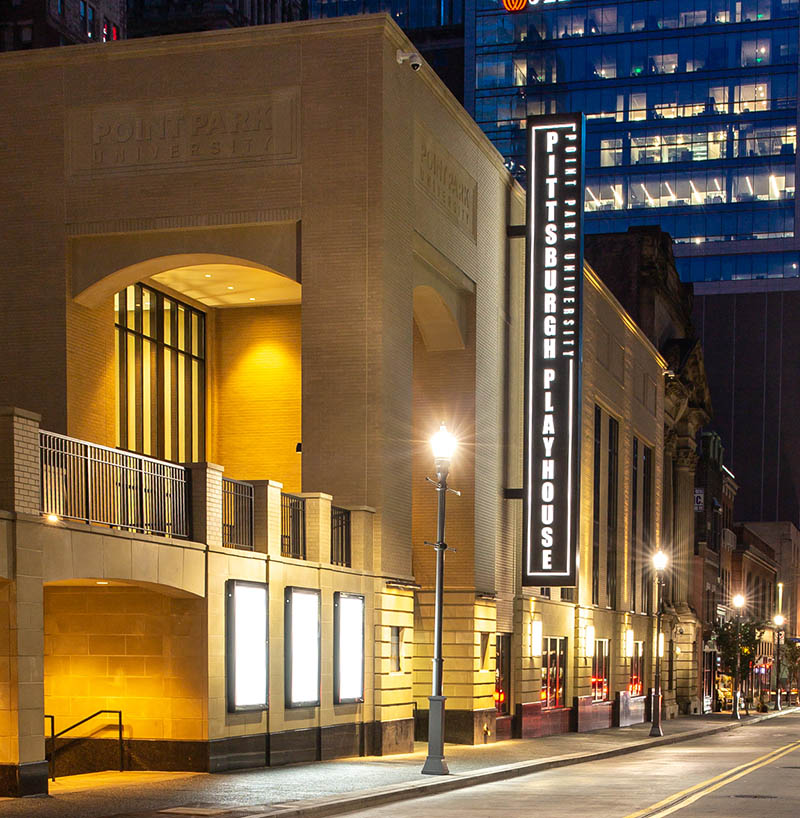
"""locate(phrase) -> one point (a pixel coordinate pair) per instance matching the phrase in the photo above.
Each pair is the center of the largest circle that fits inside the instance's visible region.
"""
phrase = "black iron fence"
(237, 514)
(293, 526)
(103, 486)
(340, 537)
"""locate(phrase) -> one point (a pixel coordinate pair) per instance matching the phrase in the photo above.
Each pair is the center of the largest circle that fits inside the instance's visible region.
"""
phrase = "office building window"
(600, 670)
(554, 673)
(612, 512)
(90, 21)
(636, 677)
(598, 433)
(160, 365)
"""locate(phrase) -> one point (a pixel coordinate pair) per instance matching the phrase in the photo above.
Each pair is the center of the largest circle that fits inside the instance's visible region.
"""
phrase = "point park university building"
(247, 274)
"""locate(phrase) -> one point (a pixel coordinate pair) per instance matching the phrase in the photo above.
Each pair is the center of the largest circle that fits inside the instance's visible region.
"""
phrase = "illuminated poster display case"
(348, 648)
(302, 647)
(246, 645)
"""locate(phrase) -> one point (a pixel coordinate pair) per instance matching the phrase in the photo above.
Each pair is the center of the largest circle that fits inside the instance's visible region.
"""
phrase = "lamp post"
(738, 604)
(659, 563)
(778, 619)
(443, 445)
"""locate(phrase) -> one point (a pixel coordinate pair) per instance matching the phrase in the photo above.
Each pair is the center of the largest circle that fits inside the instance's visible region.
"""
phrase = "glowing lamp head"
(778, 619)
(52, 518)
(659, 560)
(443, 444)
(738, 601)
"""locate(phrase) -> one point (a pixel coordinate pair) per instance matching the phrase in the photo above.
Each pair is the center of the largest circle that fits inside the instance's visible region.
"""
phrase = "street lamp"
(443, 445)
(778, 619)
(659, 563)
(738, 603)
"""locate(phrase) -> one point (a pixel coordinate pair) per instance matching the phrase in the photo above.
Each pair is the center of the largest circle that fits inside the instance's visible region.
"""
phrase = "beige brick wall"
(257, 389)
(126, 649)
(91, 375)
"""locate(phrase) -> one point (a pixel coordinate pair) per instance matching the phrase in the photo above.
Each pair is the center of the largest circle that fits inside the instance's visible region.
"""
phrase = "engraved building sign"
(174, 135)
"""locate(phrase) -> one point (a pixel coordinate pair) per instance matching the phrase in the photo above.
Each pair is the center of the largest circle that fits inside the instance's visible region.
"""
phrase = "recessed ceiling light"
(252, 298)
(208, 275)
(230, 286)
(102, 582)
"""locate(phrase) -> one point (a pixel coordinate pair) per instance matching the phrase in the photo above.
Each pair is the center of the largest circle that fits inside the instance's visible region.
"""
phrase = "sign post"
(553, 312)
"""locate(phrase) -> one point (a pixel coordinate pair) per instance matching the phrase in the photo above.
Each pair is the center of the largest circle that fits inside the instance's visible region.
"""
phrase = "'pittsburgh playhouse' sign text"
(553, 350)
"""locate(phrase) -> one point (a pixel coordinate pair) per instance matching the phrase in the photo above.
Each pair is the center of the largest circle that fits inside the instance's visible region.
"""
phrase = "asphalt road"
(739, 774)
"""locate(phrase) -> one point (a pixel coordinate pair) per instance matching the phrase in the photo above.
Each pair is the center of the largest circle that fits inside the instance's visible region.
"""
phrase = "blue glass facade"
(691, 116)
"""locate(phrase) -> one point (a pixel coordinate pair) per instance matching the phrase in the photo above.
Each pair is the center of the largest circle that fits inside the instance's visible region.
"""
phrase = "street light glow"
(778, 619)
(738, 601)
(443, 444)
(659, 560)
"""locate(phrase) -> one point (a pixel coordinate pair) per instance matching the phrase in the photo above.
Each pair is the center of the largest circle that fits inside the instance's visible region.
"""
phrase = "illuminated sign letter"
(553, 297)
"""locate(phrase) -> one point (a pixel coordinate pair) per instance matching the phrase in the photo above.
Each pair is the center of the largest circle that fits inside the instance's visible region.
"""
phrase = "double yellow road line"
(684, 798)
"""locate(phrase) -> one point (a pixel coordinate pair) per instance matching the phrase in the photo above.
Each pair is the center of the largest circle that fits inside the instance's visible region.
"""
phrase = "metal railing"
(53, 736)
(103, 486)
(340, 537)
(293, 526)
(237, 514)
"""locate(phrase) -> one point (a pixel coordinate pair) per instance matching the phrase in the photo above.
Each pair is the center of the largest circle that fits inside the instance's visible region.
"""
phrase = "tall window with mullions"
(160, 369)
(554, 664)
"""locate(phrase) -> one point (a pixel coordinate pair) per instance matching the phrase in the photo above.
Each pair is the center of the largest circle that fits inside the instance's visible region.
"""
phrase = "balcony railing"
(103, 486)
(293, 526)
(340, 537)
(237, 514)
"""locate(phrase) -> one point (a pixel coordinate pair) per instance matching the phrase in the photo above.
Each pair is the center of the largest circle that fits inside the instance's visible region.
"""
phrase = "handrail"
(54, 736)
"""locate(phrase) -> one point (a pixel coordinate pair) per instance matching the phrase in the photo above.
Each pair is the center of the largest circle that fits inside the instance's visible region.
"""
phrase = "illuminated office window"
(160, 366)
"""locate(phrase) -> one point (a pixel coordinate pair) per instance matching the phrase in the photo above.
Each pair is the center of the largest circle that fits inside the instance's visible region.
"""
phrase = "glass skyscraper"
(691, 116)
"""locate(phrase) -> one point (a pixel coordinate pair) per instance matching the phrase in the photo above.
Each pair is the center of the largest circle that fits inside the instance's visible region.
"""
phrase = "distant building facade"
(28, 24)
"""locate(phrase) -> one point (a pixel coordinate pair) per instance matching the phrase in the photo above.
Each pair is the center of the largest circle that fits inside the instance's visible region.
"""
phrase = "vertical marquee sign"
(553, 292)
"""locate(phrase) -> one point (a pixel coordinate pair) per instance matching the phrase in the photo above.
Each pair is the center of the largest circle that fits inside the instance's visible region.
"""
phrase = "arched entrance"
(189, 356)
(136, 648)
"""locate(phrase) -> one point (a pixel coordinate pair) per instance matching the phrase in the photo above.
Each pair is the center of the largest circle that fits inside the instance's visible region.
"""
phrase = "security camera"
(413, 59)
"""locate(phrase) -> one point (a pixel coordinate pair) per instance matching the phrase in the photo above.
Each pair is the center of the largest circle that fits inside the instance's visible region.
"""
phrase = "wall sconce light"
(629, 643)
(536, 637)
(661, 645)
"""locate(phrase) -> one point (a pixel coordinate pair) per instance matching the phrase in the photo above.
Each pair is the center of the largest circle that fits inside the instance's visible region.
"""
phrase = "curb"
(338, 805)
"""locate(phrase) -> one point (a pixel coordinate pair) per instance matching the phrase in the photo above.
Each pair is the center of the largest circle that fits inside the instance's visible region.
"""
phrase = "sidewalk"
(337, 787)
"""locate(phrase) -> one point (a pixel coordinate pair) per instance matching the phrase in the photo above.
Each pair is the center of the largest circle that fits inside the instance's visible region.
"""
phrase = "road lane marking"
(684, 798)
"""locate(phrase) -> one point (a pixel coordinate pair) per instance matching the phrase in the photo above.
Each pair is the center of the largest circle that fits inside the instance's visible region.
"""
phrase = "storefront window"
(600, 670)
(554, 662)
(636, 678)
(502, 700)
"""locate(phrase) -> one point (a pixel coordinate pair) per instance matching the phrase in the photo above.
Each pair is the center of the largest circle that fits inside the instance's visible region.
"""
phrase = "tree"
(750, 632)
(790, 660)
